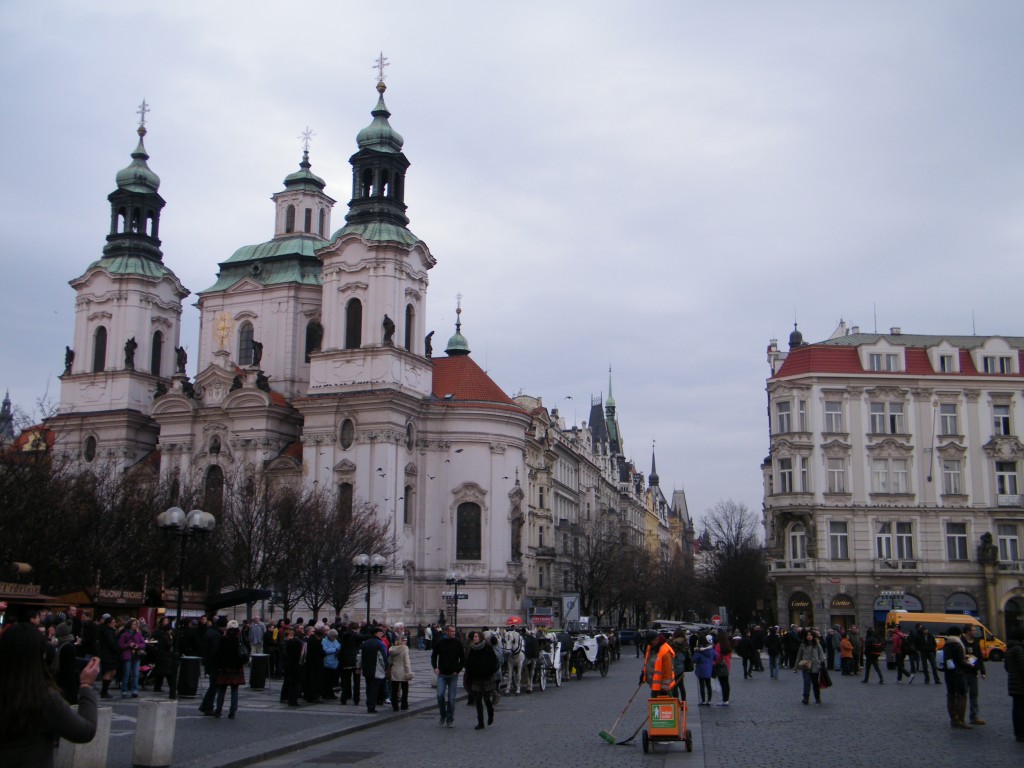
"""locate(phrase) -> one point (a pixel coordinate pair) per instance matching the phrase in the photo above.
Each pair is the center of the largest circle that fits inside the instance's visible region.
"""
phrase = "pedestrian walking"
(210, 642)
(481, 669)
(230, 658)
(773, 645)
(374, 656)
(901, 645)
(351, 641)
(703, 668)
(109, 653)
(332, 650)
(975, 658)
(809, 661)
(956, 667)
(873, 648)
(447, 658)
(401, 673)
(927, 647)
(131, 644)
(723, 664)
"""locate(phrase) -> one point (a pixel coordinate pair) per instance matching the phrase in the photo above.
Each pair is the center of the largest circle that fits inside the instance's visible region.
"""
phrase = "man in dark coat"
(313, 675)
(109, 653)
(351, 641)
(210, 643)
(374, 657)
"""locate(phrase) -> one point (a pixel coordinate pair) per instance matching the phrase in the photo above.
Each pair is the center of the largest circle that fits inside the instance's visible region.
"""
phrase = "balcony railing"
(1011, 566)
(895, 565)
(799, 566)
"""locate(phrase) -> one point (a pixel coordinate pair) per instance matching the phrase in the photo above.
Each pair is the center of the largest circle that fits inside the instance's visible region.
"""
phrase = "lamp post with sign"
(455, 580)
(186, 527)
(368, 564)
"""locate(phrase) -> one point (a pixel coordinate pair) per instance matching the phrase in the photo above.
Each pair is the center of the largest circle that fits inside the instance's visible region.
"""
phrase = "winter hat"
(63, 629)
(232, 624)
(222, 621)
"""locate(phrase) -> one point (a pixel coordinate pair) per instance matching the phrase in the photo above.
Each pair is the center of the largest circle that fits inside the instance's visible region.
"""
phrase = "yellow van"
(992, 648)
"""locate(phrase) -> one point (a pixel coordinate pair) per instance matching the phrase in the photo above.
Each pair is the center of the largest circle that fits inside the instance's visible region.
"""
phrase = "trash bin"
(259, 670)
(188, 675)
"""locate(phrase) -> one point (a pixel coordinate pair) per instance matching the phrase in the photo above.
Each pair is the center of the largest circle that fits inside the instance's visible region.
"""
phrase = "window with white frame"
(887, 418)
(1006, 478)
(951, 484)
(1009, 542)
(889, 476)
(875, 362)
(798, 542)
(905, 541)
(836, 475)
(956, 541)
(839, 540)
(948, 419)
(833, 416)
(889, 361)
(785, 475)
(879, 475)
(801, 415)
(946, 364)
(805, 482)
(883, 541)
(1001, 420)
(997, 364)
(784, 418)
(899, 476)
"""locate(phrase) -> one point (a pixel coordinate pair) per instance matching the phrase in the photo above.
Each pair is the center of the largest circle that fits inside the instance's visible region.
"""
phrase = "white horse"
(512, 644)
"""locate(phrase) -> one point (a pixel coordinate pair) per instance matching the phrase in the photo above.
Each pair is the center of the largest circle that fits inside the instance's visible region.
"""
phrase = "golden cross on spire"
(379, 65)
(306, 136)
(141, 112)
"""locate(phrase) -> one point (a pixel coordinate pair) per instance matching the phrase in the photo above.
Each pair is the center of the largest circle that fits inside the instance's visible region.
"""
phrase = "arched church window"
(407, 506)
(122, 220)
(467, 531)
(308, 220)
(314, 337)
(99, 350)
(157, 353)
(347, 435)
(213, 497)
(354, 324)
(323, 219)
(396, 191)
(410, 321)
(289, 219)
(345, 502)
(367, 183)
(245, 349)
(136, 219)
(385, 183)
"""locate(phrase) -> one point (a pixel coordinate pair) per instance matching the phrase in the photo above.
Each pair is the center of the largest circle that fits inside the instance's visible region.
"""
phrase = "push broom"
(607, 735)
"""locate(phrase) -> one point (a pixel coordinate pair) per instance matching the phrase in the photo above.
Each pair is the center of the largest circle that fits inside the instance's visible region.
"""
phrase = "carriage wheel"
(647, 742)
(543, 675)
(602, 664)
(558, 677)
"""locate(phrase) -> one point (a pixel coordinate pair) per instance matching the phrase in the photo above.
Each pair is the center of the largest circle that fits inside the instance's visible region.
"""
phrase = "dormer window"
(997, 364)
(946, 364)
(887, 361)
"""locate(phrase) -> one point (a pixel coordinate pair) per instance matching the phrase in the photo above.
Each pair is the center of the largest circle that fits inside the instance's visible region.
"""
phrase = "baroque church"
(315, 364)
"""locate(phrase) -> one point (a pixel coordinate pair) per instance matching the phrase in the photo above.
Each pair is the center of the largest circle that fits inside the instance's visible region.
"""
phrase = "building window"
(1006, 478)
(839, 540)
(314, 338)
(213, 496)
(805, 483)
(353, 324)
(785, 475)
(407, 506)
(956, 541)
(951, 477)
(899, 476)
(320, 225)
(245, 348)
(833, 416)
(836, 472)
(946, 364)
(347, 435)
(783, 417)
(798, 542)
(1001, 419)
(997, 364)
(467, 532)
(156, 353)
(884, 362)
(879, 476)
(947, 419)
(410, 325)
(801, 415)
(345, 500)
(889, 476)
(887, 418)
(905, 541)
(89, 452)
(540, 498)
(289, 219)
(308, 223)
(883, 542)
(99, 350)
(1009, 543)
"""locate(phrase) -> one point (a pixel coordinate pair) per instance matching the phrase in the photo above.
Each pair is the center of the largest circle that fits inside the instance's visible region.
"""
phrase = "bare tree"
(737, 576)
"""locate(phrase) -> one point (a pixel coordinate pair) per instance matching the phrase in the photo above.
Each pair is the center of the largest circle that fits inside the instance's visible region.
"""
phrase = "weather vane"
(306, 136)
(379, 66)
(141, 112)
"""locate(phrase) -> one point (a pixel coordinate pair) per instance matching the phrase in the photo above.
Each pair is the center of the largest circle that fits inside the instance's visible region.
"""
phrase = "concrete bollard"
(154, 734)
(92, 754)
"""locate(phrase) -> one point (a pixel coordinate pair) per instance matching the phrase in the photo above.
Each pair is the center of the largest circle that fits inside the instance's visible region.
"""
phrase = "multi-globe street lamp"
(455, 580)
(186, 527)
(369, 564)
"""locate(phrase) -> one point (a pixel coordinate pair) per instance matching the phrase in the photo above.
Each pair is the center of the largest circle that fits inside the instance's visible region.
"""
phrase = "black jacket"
(448, 657)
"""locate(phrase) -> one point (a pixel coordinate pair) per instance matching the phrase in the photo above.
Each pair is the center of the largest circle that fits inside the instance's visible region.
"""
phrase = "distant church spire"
(6, 419)
(654, 479)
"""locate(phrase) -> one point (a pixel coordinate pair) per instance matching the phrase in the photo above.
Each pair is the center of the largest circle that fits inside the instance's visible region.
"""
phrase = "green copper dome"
(137, 177)
(457, 344)
(379, 134)
(304, 178)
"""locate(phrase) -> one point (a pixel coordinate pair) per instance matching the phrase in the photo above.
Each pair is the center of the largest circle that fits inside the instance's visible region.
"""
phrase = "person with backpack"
(873, 648)
(901, 646)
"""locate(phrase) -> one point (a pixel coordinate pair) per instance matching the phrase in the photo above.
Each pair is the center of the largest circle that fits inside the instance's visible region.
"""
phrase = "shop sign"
(118, 596)
(25, 590)
(842, 602)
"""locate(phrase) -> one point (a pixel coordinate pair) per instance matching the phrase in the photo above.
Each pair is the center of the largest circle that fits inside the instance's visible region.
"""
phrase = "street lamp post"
(455, 580)
(195, 523)
(369, 564)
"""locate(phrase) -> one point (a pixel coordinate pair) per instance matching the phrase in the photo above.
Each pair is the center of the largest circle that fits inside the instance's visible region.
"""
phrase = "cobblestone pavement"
(765, 725)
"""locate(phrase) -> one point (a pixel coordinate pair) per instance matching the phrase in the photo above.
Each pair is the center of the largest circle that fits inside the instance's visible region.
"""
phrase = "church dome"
(379, 134)
(138, 177)
(796, 339)
(457, 345)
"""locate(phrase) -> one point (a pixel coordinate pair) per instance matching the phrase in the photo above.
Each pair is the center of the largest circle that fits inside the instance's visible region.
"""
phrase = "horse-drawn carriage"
(590, 652)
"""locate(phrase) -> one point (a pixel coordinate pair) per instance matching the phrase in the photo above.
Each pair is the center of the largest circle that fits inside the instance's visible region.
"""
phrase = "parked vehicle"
(992, 648)
(627, 636)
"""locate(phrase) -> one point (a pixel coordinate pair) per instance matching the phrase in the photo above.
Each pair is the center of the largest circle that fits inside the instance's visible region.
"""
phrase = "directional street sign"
(455, 596)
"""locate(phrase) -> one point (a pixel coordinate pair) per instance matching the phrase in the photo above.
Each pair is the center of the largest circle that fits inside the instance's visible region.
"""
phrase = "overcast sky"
(661, 187)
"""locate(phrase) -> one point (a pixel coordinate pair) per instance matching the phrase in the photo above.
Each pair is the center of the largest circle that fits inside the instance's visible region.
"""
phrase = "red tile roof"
(820, 359)
(459, 381)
